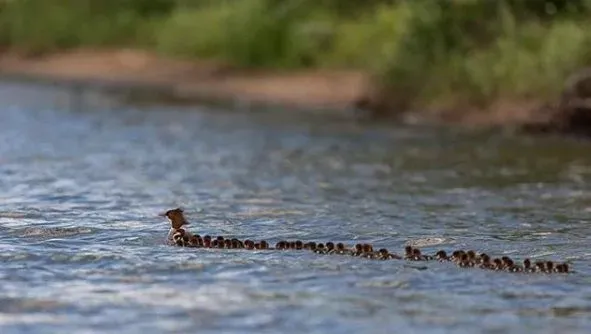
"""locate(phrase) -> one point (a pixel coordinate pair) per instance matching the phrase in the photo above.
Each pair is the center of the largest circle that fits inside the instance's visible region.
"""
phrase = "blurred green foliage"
(421, 51)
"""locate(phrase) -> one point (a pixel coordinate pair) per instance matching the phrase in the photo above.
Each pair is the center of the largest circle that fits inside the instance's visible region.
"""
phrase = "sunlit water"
(82, 246)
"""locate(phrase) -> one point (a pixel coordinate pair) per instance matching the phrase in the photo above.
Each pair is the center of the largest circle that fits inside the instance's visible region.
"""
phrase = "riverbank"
(161, 79)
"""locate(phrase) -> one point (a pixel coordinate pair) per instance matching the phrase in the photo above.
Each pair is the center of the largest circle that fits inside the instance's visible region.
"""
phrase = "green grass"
(421, 52)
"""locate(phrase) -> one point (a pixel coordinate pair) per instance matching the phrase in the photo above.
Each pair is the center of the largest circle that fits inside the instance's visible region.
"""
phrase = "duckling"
(249, 244)
(384, 254)
(441, 256)
(320, 249)
(340, 248)
(408, 253)
(485, 262)
(367, 251)
(358, 250)
(299, 244)
(457, 255)
(330, 247)
(418, 256)
(207, 241)
(228, 244)
(178, 237)
(540, 267)
(193, 241)
(527, 266)
(480, 258)
(214, 243)
(510, 266)
(562, 268)
(264, 244)
(465, 261)
(280, 245)
(310, 245)
(505, 260)
(184, 235)
(497, 264)
(200, 242)
(549, 266)
(292, 245)
(236, 243)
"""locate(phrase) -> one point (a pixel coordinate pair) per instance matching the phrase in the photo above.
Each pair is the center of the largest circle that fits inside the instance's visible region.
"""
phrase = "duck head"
(176, 217)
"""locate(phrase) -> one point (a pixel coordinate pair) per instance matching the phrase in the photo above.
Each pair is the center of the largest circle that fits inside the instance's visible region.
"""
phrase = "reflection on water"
(82, 248)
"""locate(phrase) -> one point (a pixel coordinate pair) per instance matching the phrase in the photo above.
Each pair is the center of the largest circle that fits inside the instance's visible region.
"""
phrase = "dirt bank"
(203, 81)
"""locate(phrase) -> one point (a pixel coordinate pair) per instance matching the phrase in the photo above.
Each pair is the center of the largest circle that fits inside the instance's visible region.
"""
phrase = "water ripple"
(82, 247)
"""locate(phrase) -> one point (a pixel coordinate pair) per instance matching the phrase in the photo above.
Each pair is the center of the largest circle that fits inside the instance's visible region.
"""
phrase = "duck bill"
(162, 214)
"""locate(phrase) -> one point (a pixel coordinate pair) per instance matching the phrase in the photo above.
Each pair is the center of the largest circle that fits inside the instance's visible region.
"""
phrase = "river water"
(82, 246)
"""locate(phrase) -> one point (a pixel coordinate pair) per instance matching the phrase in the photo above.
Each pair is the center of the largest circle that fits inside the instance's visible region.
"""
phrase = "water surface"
(82, 247)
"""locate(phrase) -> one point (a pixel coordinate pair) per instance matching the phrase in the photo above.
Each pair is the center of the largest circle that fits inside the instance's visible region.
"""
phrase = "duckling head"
(194, 241)
(509, 263)
(465, 258)
(498, 263)
(527, 264)
(549, 266)
(408, 250)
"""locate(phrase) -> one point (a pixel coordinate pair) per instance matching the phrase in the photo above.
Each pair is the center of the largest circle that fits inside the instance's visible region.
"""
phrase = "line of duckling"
(465, 259)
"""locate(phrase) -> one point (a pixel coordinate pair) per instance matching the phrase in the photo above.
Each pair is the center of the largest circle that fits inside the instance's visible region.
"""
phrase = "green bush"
(421, 51)
(477, 52)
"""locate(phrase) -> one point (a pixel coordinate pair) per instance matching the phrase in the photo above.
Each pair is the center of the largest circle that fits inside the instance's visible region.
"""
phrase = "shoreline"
(165, 79)
(153, 78)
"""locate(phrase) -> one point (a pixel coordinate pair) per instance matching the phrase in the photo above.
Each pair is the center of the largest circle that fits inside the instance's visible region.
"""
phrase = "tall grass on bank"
(421, 52)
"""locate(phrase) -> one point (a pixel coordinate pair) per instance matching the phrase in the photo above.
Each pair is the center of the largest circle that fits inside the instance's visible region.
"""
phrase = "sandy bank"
(132, 70)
